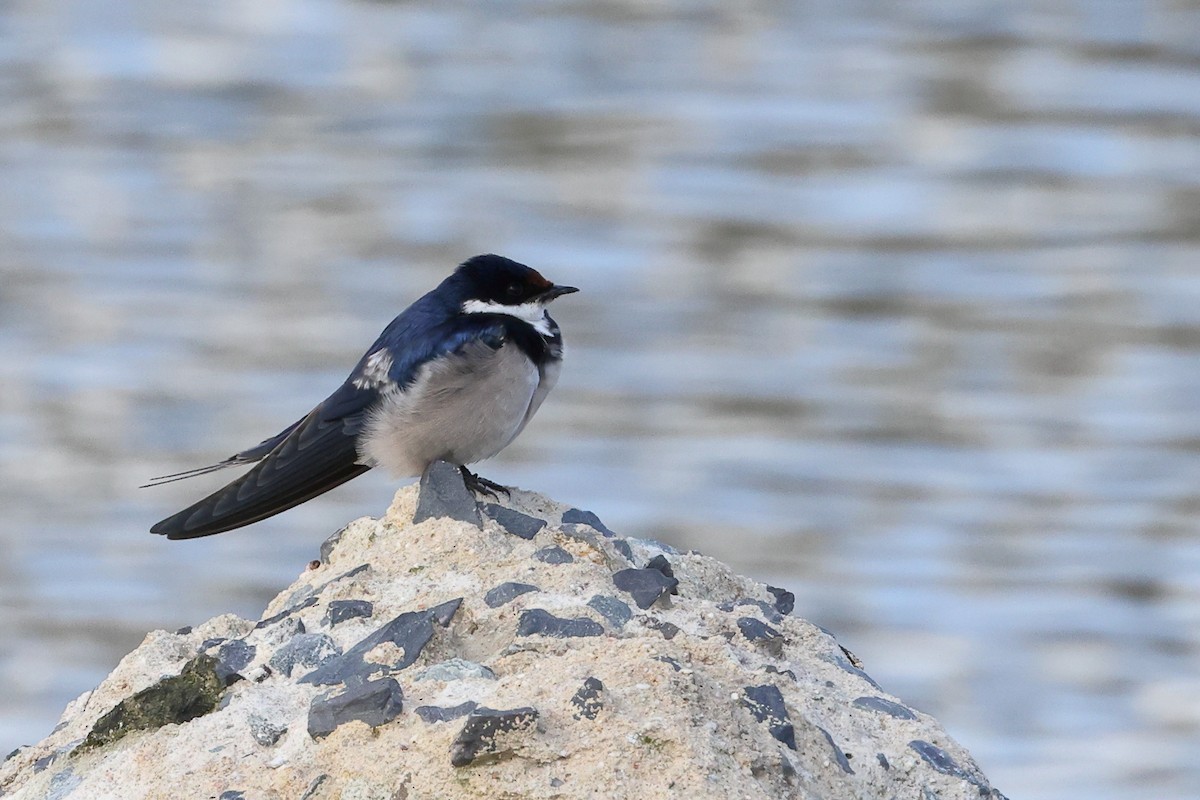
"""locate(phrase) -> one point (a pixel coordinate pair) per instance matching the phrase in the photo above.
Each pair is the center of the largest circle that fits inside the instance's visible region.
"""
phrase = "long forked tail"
(247, 456)
(232, 461)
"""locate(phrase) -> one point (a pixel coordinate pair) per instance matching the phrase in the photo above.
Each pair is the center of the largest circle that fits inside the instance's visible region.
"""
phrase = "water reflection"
(897, 308)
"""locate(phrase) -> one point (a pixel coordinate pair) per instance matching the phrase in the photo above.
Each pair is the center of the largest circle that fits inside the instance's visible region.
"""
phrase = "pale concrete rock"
(681, 700)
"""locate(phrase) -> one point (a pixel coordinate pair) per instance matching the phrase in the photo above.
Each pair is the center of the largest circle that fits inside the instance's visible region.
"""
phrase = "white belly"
(461, 409)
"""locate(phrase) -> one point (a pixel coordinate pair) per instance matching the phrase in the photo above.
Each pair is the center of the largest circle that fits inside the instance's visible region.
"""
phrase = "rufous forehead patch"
(536, 279)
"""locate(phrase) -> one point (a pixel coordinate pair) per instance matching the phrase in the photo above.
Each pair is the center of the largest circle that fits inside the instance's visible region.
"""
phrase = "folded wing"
(315, 455)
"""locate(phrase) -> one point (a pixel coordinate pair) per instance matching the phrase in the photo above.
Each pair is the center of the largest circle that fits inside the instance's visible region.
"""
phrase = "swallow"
(455, 377)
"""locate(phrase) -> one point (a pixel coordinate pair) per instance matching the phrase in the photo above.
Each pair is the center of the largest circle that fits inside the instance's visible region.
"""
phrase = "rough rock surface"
(444, 660)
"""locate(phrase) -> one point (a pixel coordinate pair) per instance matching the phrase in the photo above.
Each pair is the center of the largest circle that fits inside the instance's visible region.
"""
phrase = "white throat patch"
(533, 313)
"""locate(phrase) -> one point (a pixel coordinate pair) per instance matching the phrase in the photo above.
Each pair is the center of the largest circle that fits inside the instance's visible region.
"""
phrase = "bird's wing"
(311, 457)
(320, 451)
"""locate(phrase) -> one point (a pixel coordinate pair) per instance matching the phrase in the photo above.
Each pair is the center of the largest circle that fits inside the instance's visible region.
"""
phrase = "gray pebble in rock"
(657, 545)
(766, 704)
(768, 611)
(667, 629)
(940, 760)
(314, 788)
(455, 669)
(540, 621)
(232, 794)
(232, 657)
(838, 755)
(411, 631)
(444, 494)
(579, 516)
(612, 609)
(506, 592)
(885, 706)
(844, 663)
(883, 762)
(286, 614)
(341, 610)
(587, 699)
(763, 634)
(514, 522)
(63, 784)
(622, 547)
(264, 731)
(553, 555)
(305, 650)
(777, 671)
(373, 702)
(432, 714)
(645, 585)
(483, 725)
(668, 660)
(660, 563)
(329, 544)
(785, 601)
(184, 631)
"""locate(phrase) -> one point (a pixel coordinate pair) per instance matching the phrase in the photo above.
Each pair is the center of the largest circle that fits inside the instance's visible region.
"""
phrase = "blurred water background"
(894, 305)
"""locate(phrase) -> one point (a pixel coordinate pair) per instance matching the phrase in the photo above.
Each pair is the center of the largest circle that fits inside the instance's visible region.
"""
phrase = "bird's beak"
(555, 291)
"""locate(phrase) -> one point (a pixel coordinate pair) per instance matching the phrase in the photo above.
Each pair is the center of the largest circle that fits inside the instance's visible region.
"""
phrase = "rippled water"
(896, 306)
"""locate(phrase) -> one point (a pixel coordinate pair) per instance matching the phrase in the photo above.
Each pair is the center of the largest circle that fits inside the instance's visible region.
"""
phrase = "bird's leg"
(481, 485)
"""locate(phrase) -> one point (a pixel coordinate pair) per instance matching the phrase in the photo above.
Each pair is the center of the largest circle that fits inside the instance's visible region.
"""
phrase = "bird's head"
(492, 284)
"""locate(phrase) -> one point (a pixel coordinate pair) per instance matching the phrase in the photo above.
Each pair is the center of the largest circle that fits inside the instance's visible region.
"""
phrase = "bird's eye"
(513, 291)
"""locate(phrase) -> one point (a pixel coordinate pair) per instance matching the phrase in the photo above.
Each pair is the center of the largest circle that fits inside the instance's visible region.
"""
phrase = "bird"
(455, 377)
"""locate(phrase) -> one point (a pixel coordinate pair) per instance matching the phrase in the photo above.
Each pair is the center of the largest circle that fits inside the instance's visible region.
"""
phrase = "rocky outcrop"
(499, 650)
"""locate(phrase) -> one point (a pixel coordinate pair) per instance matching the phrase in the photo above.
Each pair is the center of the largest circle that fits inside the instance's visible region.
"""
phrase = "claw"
(480, 485)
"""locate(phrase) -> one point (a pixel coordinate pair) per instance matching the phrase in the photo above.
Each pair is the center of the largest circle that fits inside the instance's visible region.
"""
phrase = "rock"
(624, 549)
(180, 698)
(432, 714)
(410, 632)
(944, 763)
(294, 625)
(785, 601)
(444, 494)
(540, 621)
(766, 704)
(506, 592)
(580, 517)
(587, 699)
(232, 657)
(769, 612)
(374, 702)
(758, 631)
(484, 730)
(433, 693)
(838, 755)
(645, 585)
(455, 669)
(612, 609)
(882, 704)
(514, 522)
(264, 731)
(660, 563)
(305, 650)
(667, 629)
(553, 555)
(338, 611)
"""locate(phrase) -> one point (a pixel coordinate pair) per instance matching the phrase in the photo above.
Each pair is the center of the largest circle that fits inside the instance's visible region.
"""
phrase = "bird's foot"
(481, 485)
